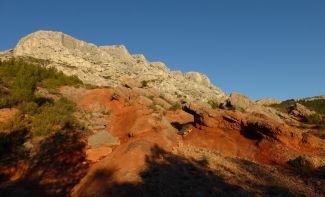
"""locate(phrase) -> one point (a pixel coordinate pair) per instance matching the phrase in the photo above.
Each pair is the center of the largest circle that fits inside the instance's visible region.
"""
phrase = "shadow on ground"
(271, 184)
(171, 175)
(53, 171)
(59, 165)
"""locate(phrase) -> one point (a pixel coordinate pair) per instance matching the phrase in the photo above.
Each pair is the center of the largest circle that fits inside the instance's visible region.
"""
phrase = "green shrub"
(144, 84)
(54, 117)
(153, 107)
(29, 107)
(314, 119)
(150, 97)
(55, 79)
(283, 106)
(4, 102)
(175, 107)
(213, 104)
(20, 79)
(38, 115)
(317, 105)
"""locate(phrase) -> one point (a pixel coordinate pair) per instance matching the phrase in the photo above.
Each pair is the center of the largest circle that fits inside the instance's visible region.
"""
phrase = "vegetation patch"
(317, 105)
(314, 119)
(213, 104)
(20, 79)
(144, 83)
(175, 107)
(150, 97)
(37, 114)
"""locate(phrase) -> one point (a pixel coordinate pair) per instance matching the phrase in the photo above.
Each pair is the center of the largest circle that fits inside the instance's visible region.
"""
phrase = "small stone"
(28, 145)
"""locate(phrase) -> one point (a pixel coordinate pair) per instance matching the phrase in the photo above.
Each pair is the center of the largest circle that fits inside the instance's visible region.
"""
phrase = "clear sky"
(262, 48)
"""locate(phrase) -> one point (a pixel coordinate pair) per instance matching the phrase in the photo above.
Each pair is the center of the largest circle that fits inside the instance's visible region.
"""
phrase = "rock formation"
(153, 132)
(113, 65)
(300, 110)
(267, 101)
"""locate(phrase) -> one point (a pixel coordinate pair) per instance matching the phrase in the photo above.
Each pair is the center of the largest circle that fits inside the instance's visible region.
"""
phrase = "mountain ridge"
(113, 66)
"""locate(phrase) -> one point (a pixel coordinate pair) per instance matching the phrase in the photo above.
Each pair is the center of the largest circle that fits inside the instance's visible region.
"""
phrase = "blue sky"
(262, 48)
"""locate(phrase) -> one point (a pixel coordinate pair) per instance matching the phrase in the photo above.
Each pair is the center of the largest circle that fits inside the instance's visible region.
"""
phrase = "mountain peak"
(112, 65)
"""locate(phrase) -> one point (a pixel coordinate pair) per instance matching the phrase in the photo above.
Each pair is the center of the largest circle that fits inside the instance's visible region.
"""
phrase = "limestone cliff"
(112, 65)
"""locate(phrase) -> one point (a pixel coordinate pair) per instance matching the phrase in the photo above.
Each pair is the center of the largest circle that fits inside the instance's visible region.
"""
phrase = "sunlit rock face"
(110, 65)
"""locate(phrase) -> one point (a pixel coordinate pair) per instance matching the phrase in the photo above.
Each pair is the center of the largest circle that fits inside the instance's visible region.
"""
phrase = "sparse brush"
(150, 97)
(213, 104)
(144, 83)
(54, 117)
(153, 107)
(175, 107)
(314, 119)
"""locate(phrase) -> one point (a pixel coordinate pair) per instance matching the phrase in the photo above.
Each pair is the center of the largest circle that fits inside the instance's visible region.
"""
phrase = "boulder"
(300, 110)
(267, 101)
(179, 116)
(102, 138)
(238, 101)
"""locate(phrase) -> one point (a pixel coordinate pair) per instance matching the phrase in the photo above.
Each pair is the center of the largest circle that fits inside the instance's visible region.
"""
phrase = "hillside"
(81, 120)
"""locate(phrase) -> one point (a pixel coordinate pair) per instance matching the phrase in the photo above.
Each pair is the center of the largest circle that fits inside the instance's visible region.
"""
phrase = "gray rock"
(131, 83)
(267, 101)
(28, 145)
(102, 138)
(300, 110)
(239, 101)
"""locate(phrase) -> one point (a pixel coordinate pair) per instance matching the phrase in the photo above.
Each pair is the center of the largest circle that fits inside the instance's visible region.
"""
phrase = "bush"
(175, 107)
(150, 97)
(317, 105)
(314, 119)
(20, 79)
(54, 117)
(302, 166)
(28, 107)
(144, 84)
(283, 106)
(213, 104)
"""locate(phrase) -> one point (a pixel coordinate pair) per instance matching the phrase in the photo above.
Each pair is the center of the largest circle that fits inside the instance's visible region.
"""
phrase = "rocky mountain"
(113, 66)
(143, 130)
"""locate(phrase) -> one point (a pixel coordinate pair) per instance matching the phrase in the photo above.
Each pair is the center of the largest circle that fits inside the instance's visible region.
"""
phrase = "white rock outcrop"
(111, 65)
